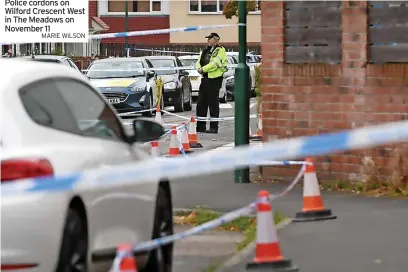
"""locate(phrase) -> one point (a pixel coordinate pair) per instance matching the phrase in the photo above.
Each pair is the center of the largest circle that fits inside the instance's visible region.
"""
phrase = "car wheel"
(74, 247)
(149, 106)
(161, 259)
(189, 105)
(224, 98)
(179, 107)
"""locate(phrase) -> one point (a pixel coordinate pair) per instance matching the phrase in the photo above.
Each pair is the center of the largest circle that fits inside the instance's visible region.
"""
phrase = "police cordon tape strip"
(198, 164)
(198, 118)
(151, 69)
(226, 218)
(134, 112)
(164, 51)
(159, 31)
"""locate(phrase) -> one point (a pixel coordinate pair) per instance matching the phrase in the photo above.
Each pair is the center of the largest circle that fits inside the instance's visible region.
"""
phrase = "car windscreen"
(115, 69)
(188, 62)
(167, 65)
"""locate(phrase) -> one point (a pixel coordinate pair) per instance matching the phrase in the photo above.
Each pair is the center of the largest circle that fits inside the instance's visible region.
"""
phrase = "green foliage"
(57, 51)
(231, 8)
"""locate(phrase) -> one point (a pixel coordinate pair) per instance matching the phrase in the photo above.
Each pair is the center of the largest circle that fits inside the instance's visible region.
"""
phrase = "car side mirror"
(146, 130)
(150, 74)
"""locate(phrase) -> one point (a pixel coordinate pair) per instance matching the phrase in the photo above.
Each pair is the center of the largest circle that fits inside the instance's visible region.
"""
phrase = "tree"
(231, 8)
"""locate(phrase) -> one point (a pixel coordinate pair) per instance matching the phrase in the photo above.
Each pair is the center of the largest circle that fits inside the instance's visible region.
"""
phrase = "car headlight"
(170, 85)
(139, 89)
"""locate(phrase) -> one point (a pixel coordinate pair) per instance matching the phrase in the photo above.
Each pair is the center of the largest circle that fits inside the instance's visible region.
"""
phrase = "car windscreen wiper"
(130, 76)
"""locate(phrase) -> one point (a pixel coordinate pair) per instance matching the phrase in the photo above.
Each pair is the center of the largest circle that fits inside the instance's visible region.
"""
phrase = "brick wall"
(93, 11)
(308, 99)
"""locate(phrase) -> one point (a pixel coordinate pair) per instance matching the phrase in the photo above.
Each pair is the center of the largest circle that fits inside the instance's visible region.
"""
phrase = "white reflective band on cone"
(155, 151)
(265, 232)
(311, 186)
(174, 143)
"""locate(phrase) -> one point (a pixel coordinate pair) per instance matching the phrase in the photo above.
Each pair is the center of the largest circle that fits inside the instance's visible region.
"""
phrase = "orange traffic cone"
(158, 117)
(155, 151)
(192, 134)
(313, 207)
(124, 260)
(184, 139)
(258, 134)
(267, 253)
(173, 148)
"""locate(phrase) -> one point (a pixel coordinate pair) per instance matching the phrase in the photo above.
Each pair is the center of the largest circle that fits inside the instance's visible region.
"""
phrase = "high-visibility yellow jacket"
(217, 65)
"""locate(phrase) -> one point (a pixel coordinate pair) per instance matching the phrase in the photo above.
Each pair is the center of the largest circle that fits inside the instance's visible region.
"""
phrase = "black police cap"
(212, 35)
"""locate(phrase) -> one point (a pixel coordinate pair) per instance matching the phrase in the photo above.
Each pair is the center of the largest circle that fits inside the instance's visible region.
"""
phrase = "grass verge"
(376, 189)
(245, 224)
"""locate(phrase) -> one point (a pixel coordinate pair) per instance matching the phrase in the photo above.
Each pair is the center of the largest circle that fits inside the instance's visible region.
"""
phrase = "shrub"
(231, 8)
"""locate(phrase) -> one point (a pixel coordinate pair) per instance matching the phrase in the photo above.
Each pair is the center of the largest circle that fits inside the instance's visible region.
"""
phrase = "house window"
(135, 6)
(216, 6)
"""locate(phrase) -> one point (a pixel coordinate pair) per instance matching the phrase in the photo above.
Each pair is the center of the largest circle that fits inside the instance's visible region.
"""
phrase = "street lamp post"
(126, 26)
(241, 92)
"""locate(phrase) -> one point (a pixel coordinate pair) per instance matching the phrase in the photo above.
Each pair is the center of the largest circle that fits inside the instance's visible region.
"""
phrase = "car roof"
(18, 69)
(160, 57)
(188, 57)
(119, 59)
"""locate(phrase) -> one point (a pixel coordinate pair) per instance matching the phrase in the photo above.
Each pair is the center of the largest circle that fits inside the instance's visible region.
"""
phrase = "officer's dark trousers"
(208, 98)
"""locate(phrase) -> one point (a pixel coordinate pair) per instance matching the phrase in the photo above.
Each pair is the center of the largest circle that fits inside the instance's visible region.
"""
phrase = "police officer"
(211, 64)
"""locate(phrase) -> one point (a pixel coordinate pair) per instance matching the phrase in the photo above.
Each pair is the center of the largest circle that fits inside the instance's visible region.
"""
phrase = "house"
(323, 71)
(96, 25)
(200, 13)
(142, 15)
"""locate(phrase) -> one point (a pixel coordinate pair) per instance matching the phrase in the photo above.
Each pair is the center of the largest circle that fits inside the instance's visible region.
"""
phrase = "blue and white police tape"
(231, 216)
(226, 218)
(159, 31)
(199, 164)
(277, 163)
(140, 70)
(230, 118)
(180, 143)
(135, 112)
(164, 51)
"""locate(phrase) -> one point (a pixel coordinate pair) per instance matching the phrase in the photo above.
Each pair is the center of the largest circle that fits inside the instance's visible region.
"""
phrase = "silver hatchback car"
(55, 123)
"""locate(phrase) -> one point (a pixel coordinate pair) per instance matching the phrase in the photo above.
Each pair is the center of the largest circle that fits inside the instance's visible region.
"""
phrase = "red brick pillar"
(355, 54)
(272, 29)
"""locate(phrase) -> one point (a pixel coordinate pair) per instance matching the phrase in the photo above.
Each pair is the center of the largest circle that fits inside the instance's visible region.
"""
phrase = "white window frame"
(215, 12)
(103, 7)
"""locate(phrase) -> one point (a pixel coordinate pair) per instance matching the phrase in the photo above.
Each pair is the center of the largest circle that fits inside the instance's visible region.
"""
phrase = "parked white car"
(195, 77)
(53, 123)
(251, 65)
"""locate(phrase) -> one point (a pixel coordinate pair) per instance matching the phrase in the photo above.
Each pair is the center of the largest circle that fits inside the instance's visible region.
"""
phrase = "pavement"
(369, 235)
(204, 251)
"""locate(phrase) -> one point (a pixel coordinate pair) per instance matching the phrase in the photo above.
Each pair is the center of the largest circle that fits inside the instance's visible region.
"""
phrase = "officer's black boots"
(212, 130)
